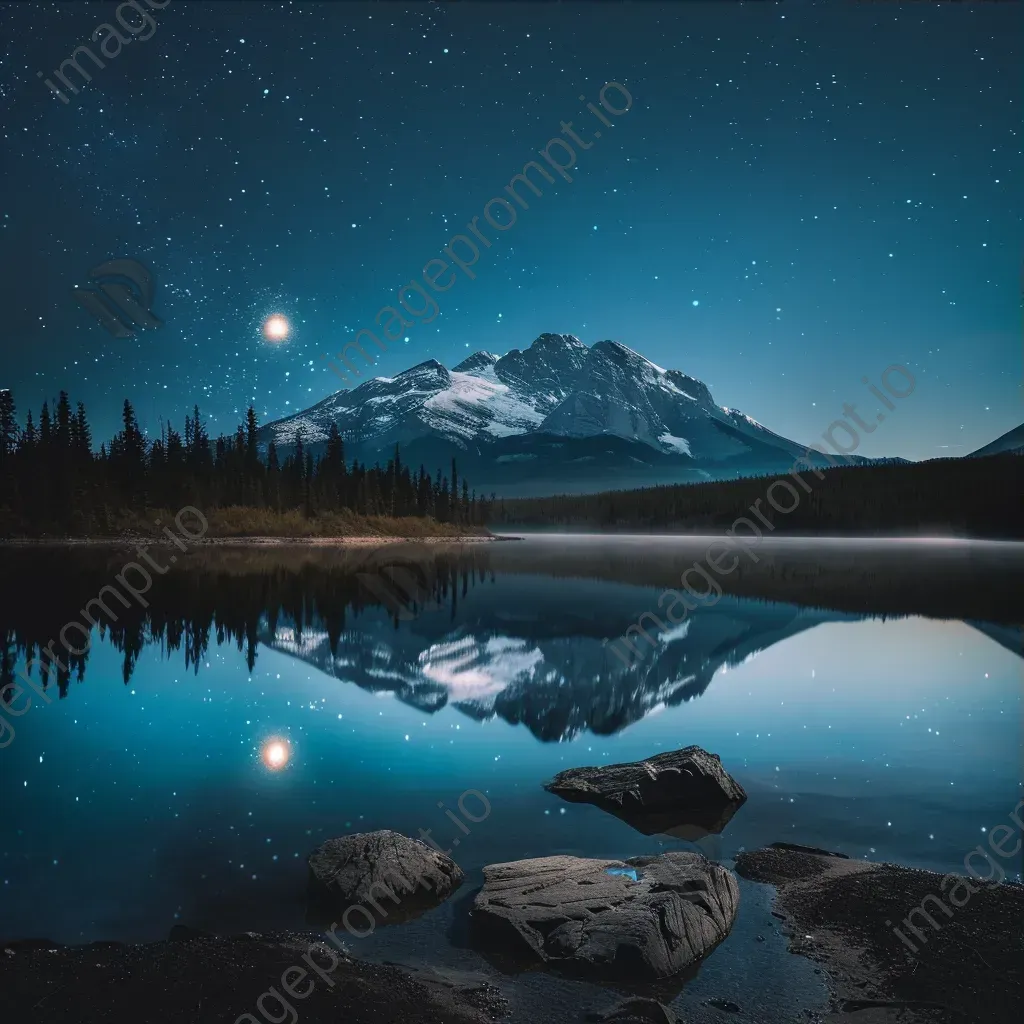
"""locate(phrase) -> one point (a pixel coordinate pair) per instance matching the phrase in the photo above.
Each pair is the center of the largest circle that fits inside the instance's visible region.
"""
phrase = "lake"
(866, 694)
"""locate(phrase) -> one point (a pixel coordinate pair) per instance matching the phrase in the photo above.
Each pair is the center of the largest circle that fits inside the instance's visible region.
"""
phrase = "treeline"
(196, 607)
(980, 497)
(52, 482)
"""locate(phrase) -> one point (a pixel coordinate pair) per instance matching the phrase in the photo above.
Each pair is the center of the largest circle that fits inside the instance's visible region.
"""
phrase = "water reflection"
(486, 669)
(511, 656)
(517, 631)
(275, 754)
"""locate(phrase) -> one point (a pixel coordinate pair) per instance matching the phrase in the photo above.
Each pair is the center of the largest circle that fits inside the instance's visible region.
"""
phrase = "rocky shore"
(842, 914)
(894, 945)
(244, 978)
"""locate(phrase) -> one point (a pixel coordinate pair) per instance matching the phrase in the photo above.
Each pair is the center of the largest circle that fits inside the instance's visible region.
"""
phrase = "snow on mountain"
(479, 362)
(620, 392)
(472, 405)
(547, 370)
(557, 388)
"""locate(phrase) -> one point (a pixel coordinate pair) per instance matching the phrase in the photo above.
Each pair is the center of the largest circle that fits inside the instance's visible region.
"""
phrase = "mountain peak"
(477, 361)
(549, 341)
(429, 368)
(616, 348)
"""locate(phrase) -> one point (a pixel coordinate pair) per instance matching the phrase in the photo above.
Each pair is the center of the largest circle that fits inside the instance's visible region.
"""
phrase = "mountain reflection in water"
(518, 630)
(528, 665)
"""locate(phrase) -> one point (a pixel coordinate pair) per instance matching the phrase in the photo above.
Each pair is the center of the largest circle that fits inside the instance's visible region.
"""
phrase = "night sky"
(798, 197)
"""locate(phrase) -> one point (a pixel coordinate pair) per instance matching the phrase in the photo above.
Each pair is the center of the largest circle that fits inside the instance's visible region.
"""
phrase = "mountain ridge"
(558, 414)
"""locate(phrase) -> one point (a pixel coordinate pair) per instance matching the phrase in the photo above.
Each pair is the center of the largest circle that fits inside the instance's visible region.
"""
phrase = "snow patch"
(475, 403)
(677, 444)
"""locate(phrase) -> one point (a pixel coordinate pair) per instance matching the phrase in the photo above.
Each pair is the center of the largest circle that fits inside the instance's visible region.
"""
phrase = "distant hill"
(973, 497)
(1011, 443)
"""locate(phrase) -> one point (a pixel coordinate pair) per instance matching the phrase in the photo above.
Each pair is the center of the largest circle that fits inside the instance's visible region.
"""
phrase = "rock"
(387, 874)
(644, 918)
(895, 940)
(682, 792)
(637, 1011)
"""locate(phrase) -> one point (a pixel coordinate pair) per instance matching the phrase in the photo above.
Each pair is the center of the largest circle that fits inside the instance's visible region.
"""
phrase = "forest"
(968, 497)
(54, 484)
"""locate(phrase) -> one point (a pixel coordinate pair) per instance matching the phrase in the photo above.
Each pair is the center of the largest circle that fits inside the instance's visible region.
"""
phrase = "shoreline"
(266, 541)
(830, 910)
(208, 979)
(839, 913)
(362, 540)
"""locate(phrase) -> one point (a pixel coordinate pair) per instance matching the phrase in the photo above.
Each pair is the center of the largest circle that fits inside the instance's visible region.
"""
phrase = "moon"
(276, 328)
(275, 754)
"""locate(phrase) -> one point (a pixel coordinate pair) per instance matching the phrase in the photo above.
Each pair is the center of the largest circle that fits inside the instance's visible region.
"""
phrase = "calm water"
(139, 799)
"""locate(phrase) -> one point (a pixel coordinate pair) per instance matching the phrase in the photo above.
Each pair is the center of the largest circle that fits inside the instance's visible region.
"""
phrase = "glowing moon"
(276, 328)
(275, 754)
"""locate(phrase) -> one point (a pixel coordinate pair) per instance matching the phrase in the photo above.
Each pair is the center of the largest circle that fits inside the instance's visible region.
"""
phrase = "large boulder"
(685, 792)
(644, 918)
(390, 876)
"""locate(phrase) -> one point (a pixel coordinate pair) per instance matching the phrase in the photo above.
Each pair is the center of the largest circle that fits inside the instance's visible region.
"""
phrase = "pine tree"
(332, 469)
(82, 435)
(308, 485)
(454, 515)
(63, 429)
(273, 478)
(30, 438)
(252, 454)
(45, 430)
(8, 427)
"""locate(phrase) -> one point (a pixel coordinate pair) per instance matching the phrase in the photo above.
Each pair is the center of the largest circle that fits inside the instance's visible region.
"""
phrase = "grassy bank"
(240, 523)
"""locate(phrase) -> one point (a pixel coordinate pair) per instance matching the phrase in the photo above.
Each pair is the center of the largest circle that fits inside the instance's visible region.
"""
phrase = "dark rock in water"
(686, 793)
(390, 876)
(641, 919)
(637, 1011)
(727, 1005)
(183, 933)
(680, 824)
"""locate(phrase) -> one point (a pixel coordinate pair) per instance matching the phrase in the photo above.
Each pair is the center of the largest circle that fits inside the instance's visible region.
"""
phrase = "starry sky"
(799, 196)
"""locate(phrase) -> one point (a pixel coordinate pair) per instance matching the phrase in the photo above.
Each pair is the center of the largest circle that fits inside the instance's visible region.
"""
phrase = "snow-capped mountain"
(558, 415)
(620, 392)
